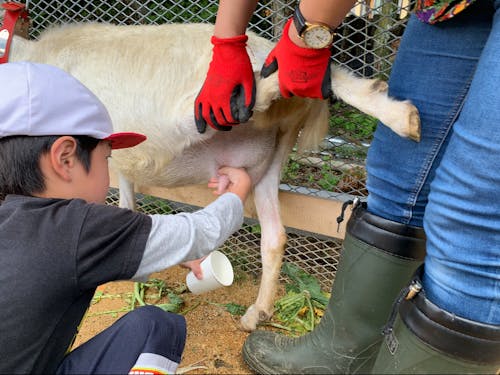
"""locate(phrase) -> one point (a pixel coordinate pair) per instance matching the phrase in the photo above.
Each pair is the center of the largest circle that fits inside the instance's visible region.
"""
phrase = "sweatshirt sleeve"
(186, 236)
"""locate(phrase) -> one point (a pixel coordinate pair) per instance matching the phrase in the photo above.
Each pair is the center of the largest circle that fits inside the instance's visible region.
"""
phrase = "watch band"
(300, 22)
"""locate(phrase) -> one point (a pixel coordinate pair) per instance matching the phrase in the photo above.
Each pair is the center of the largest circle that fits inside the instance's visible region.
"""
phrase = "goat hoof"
(252, 317)
(414, 131)
(264, 316)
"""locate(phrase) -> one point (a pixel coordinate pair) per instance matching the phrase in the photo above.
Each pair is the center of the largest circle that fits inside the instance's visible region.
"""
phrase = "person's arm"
(228, 179)
(328, 12)
(233, 17)
(187, 236)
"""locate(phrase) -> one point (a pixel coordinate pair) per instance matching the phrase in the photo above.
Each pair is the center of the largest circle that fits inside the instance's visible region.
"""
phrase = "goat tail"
(314, 126)
(313, 116)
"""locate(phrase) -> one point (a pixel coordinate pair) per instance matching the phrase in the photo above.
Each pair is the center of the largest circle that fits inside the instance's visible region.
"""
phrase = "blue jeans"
(449, 183)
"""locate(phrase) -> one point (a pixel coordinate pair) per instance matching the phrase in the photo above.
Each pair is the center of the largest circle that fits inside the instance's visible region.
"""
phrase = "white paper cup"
(217, 271)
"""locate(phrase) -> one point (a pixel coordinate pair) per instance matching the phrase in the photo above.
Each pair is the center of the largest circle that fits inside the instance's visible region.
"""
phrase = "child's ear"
(63, 156)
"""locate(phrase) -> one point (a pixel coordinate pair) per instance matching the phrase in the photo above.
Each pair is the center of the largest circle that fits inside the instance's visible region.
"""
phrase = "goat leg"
(370, 96)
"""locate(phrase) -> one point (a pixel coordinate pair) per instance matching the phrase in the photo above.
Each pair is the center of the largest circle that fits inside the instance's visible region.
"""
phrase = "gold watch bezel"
(312, 27)
(303, 27)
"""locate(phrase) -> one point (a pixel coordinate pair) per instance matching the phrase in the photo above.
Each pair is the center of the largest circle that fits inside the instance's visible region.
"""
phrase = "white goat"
(148, 78)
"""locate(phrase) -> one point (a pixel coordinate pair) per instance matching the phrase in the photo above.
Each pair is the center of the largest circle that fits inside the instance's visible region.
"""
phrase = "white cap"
(38, 99)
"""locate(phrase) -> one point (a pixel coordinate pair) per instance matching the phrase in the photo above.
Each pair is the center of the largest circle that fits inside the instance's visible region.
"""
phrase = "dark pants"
(147, 337)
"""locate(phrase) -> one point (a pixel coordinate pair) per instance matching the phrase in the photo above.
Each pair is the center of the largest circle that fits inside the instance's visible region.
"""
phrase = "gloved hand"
(303, 72)
(228, 94)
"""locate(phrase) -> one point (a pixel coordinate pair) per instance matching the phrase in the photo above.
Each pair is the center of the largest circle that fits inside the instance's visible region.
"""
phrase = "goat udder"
(223, 183)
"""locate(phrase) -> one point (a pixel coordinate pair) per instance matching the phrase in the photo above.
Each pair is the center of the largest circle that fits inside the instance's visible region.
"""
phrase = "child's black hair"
(20, 171)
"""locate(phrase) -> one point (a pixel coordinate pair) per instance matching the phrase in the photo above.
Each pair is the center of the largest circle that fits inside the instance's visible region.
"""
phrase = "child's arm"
(234, 180)
(186, 236)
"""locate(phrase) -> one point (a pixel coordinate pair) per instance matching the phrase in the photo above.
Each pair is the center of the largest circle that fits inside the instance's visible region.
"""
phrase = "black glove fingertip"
(326, 85)
(267, 70)
(200, 122)
(223, 128)
(254, 91)
(239, 110)
(216, 125)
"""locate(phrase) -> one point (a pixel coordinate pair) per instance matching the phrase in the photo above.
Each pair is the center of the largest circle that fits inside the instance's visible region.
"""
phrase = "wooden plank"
(313, 214)
(304, 212)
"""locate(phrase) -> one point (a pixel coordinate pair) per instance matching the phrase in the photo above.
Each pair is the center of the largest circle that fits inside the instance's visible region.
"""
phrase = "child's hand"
(194, 265)
(234, 180)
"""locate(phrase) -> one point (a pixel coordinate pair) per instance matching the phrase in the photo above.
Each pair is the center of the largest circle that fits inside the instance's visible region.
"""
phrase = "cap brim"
(125, 140)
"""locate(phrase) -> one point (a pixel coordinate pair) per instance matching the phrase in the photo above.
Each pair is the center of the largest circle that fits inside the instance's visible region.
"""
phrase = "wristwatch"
(314, 35)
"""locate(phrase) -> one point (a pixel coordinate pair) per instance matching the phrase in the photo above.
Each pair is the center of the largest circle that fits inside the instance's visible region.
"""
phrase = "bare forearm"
(233, 17)
(328, 12)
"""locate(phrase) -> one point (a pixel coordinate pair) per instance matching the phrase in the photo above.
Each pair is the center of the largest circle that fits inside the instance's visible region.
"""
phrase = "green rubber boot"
(424, 339)
(379, 257)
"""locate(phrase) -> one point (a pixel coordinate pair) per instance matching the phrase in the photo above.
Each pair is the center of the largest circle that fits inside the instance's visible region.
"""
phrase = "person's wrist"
(238, 39)
(293, 35)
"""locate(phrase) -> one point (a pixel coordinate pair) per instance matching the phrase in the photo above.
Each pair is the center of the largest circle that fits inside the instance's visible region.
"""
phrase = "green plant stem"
(138, 294)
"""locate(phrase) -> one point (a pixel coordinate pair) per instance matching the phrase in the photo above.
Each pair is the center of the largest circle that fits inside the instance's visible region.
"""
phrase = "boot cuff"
(398, 239)
(459, 337)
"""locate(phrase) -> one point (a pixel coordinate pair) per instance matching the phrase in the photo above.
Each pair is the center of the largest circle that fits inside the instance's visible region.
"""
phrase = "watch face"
(318, 36)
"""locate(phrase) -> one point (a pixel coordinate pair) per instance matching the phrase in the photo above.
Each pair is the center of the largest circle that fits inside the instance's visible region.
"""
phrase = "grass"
(348, 122)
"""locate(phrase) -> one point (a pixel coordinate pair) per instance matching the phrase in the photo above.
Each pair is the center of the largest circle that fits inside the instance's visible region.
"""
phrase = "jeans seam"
(427, 166)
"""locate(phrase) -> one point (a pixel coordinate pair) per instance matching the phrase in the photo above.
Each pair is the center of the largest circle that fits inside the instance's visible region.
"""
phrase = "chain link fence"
(366, 43)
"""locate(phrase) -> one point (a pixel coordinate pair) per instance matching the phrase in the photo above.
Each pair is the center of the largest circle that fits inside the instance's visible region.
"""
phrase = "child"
(58, 241)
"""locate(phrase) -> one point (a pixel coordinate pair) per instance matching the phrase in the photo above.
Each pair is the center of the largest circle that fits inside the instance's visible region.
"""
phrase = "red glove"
(228, 94)
(302, 72)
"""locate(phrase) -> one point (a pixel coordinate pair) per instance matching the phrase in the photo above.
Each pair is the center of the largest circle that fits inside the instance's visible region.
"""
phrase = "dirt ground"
(214, 339)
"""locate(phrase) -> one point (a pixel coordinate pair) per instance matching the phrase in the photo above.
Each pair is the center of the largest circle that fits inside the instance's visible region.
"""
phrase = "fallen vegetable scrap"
(303, 305)
(231, 307)
(141, 295)
(156, 292)
(297, 312)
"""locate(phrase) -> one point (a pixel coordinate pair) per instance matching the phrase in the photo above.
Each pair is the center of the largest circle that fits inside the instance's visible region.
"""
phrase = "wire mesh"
(366, 43)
